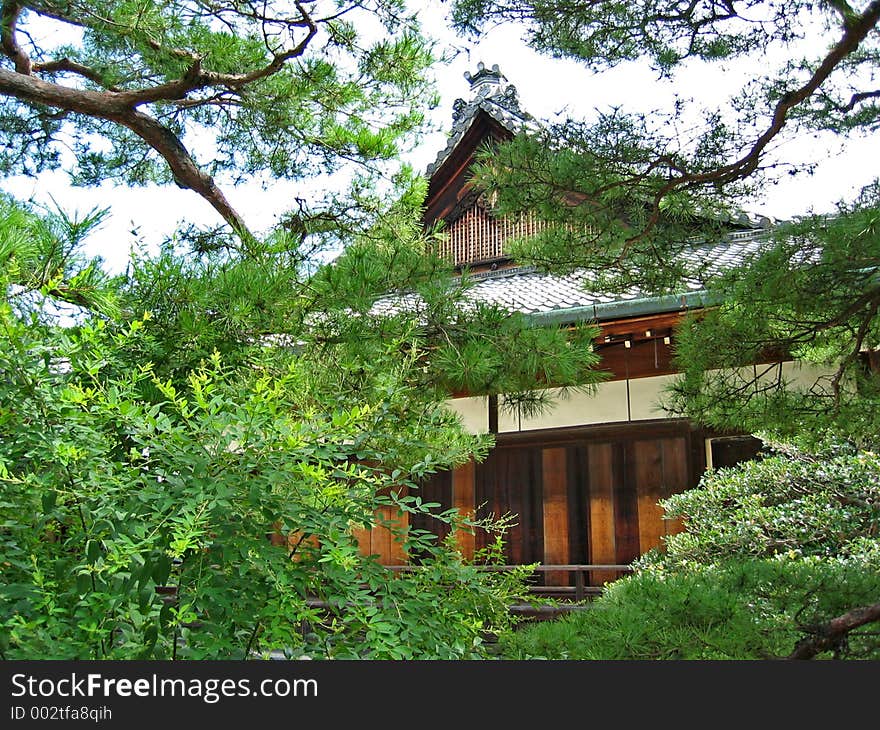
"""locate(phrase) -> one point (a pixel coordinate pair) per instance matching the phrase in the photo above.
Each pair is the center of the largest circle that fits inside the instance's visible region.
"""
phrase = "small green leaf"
(50, 497)
(93, 551)
(162, 569)
(83, 583)
(145, 596)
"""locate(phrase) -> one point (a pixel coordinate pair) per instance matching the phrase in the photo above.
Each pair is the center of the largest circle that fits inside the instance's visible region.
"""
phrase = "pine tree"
(292, 89)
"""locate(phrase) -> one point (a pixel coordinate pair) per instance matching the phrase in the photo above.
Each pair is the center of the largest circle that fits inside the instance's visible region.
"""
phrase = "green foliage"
(810, 294)
(593, 186)
(772, 550)
(206, 304)
(383, 294)
(733, 610)
(793, 503)
(40, 257)
(187, 480)
(605, 33)
(282, 121)
(181, 91)
(109, 498)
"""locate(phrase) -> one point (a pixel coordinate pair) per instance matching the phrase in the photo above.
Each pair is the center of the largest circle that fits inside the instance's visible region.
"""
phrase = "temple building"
(584, 477)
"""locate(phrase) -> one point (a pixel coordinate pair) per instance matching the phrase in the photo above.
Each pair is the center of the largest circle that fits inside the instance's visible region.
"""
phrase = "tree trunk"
(829, 635)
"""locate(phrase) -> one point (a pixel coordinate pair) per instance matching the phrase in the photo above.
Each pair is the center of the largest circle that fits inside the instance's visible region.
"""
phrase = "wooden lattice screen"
(477, 236)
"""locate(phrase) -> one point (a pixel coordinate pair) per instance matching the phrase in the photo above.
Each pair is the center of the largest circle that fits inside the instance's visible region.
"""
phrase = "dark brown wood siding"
(438, 490)
(505, 485)
(579, 496)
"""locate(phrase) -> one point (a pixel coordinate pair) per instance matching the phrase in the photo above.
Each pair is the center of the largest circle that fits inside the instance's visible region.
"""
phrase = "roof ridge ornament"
(484, 77)
(492, 93)
(488, 84)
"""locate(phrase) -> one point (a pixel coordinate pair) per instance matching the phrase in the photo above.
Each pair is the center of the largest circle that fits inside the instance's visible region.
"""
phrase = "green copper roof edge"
(625, 308)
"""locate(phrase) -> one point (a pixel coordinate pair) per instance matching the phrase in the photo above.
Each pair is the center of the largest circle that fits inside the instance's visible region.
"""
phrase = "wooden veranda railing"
(581, 589)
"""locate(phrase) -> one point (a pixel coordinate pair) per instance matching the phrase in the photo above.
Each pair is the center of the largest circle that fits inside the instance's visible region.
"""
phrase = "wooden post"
(463, 500)
(555, 504)
(579, 593)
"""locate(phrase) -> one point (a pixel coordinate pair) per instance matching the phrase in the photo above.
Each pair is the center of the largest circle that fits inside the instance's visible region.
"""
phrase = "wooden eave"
(638, 347)
(448, 188)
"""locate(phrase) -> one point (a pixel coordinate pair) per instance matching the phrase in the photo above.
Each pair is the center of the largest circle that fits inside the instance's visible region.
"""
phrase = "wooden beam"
(493, 413)
(643, 359)
(380, 539)
(398, 553)
(447, 183)
(638, 326)
(658, 428)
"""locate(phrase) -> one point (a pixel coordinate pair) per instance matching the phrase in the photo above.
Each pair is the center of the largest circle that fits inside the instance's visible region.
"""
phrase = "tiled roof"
(529, 291)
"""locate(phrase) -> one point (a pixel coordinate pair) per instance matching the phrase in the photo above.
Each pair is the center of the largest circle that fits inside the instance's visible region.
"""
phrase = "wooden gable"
(449, 191)
(472, 234)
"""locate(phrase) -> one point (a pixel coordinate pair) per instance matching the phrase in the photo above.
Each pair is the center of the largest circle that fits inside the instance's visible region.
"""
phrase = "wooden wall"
(580, 495)
(381, 540)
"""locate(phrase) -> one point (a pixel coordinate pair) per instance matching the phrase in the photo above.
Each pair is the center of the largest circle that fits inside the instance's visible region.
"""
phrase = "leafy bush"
(160, 511)
(803, 503)
(199, 526)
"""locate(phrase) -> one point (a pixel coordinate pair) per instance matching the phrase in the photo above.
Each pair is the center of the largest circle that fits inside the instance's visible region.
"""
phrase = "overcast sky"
(546, 87)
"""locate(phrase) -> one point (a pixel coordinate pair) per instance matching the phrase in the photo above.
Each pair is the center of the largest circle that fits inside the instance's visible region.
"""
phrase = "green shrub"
(739, 610)
(135, 527)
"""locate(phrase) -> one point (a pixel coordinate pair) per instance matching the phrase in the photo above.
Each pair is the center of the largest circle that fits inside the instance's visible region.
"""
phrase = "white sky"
(545, 88)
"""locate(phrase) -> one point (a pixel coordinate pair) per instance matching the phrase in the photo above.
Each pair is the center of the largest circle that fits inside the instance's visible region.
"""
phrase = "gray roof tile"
(530, 291)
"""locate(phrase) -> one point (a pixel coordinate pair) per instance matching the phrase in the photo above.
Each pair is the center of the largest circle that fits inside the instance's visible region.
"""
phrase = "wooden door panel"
(649, 480)
(554, 483)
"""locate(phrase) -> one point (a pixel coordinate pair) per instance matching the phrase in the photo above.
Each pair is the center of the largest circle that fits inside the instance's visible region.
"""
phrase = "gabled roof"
(491, 114)
(491, 94)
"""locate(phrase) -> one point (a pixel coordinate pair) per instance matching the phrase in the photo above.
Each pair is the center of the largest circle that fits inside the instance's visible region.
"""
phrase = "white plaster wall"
(608, 405)
(613, 402)
(474, 412)
(805, 375)
(645, 395)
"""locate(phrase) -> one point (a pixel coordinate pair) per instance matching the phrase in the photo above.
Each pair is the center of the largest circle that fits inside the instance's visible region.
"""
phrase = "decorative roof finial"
(491, 93)
(484, 78)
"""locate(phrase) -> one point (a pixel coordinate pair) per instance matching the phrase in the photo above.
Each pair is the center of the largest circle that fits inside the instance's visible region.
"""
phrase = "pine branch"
(9, 14)
(67, 65)
(829, 635)
(121, 107)
(856, 30)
